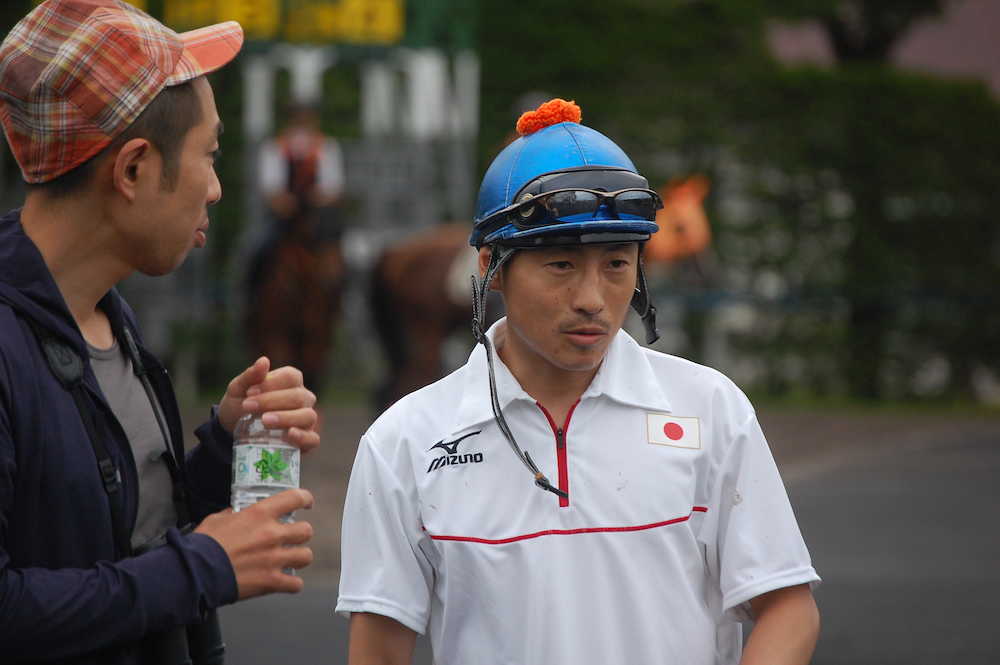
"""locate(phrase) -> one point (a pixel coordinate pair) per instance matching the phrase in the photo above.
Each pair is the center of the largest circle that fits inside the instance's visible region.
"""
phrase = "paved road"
(906, 536)
(908, 545)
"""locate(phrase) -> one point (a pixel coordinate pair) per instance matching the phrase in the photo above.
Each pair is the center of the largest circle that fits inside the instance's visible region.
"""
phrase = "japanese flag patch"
(664, 429)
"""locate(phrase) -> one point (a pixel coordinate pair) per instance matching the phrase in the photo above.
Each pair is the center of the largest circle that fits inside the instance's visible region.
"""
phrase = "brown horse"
(418, 300)
(295, 285)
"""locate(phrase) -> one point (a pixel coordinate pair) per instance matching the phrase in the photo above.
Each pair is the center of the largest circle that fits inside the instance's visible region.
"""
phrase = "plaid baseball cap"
(74, 74)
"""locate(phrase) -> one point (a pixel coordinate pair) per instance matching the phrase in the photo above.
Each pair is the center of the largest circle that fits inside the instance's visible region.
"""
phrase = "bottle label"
(256, 465)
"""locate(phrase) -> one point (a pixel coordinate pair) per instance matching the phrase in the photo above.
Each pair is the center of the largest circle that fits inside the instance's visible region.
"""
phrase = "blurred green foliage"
(866, 190)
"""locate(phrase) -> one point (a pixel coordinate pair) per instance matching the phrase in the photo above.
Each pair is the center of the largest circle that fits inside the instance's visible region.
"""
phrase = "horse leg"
(424, 361)
(390, 330)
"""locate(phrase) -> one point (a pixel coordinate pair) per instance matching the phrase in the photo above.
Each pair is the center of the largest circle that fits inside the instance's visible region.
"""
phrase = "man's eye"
(561, 265)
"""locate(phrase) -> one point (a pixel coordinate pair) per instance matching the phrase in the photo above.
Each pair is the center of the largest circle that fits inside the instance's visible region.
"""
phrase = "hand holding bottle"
(279, 397)
(260, 547)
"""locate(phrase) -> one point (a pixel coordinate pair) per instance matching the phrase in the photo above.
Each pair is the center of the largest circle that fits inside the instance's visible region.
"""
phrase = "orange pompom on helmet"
(551, 112)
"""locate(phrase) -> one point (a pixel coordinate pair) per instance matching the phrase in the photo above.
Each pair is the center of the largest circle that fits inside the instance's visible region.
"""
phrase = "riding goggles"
(577, 205)
(579, 195)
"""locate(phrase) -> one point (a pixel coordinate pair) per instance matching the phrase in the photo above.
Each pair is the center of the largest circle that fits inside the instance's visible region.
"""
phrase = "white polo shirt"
(676, 518)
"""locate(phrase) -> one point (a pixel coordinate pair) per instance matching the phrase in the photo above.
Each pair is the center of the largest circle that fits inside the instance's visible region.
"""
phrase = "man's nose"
(588, 295)
(214, 190)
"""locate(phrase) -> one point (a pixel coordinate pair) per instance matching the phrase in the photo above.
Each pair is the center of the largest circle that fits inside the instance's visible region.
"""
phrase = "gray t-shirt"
(131, 406)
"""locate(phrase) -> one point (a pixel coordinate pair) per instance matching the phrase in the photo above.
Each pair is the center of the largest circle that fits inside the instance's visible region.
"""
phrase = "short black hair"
(165, 122)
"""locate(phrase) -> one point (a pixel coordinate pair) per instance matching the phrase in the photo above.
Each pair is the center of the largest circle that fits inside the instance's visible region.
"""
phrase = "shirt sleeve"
(272, 176)
(208, 468)
(330, 179)
(757, 546)
(383, 568)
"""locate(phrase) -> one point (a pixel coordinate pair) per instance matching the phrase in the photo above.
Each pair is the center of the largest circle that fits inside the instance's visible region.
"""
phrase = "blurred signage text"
(341, 21)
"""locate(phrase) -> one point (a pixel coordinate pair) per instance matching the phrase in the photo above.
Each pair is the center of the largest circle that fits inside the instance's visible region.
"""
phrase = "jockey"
(563, 164)
(665, 523)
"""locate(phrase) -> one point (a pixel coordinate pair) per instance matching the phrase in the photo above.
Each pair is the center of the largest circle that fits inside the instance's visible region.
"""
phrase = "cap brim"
(205, 50)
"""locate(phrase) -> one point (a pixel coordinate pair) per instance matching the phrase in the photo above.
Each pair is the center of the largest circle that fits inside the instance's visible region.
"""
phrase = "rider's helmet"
(564, 183)
(555, 153)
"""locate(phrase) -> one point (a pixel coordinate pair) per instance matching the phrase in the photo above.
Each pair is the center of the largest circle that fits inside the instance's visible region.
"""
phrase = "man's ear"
(484, 260)
(133, 165)
(484, 264)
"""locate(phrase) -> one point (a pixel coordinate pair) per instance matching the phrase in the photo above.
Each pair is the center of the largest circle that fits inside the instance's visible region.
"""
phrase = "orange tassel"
(550, 113)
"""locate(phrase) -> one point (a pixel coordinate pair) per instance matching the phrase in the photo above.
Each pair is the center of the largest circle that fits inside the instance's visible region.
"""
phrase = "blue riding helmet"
(566, 155)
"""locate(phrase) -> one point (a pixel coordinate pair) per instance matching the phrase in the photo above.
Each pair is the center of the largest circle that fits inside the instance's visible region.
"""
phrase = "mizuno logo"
(451, 455)
(451, 447)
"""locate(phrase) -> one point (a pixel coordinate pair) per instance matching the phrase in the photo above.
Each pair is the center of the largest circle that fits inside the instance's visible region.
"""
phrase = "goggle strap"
(643, 305)
(499, 256)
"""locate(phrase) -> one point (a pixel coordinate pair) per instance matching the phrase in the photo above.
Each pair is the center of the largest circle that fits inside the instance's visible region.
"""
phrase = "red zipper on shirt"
(560, 433)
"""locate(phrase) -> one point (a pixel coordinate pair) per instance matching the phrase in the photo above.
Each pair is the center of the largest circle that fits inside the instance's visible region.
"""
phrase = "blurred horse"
(295, 284)
(420, 294)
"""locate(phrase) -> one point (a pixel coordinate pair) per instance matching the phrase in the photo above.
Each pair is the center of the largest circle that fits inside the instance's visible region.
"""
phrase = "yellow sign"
(345, 21)
(187, 14)
(141, 4)
(261, 19)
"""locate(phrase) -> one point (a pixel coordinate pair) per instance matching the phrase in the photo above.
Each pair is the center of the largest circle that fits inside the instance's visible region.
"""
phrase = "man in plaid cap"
(113, 124)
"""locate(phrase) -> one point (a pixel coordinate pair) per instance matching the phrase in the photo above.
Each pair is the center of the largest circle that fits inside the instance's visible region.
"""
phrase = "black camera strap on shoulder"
(67, 366)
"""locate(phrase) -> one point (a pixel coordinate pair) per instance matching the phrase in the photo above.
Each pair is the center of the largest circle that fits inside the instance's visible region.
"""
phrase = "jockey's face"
(565, 305)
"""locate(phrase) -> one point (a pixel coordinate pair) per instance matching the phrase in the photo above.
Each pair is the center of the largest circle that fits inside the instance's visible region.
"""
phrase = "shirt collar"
(625, 376)
(475, 406)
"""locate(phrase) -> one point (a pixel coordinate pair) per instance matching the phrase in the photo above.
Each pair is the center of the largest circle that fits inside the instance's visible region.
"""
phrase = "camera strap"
(67, 366)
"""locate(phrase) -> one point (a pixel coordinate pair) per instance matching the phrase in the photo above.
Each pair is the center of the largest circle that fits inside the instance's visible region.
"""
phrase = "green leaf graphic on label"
(270, 464)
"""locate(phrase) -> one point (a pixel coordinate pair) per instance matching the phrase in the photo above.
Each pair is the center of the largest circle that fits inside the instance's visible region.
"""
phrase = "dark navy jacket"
(64, 595)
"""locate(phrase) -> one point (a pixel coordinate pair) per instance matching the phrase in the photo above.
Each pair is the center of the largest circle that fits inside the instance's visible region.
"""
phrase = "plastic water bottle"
(263, 463)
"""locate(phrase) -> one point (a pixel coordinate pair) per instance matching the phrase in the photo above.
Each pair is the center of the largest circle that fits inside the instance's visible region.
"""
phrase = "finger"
(302, 418)
(252, 375)
(285, 583)
(297, 533)
(283, 377)
(279, 400)
(304, 440)
(285, 502)
(296, 557)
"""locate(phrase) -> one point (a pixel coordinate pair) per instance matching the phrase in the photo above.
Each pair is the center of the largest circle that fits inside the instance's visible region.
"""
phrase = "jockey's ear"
(485, 254)
(484, 260)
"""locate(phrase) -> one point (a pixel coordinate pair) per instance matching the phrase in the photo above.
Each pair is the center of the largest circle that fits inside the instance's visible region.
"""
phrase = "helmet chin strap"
(643, 305)
(498, 256)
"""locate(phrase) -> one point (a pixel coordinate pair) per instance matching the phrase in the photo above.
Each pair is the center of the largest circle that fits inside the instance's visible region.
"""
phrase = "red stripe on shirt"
(571, 532)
